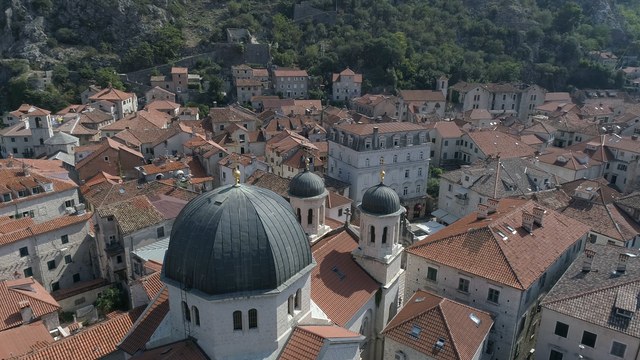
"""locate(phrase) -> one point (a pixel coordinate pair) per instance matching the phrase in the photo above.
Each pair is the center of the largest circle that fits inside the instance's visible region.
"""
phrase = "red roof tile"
(146, 325)
(45, 227)
(339, 296)
(13, 292)
(23, 339)
(302, 345)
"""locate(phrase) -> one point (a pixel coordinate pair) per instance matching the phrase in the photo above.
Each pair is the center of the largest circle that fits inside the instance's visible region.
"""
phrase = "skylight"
(415, 331)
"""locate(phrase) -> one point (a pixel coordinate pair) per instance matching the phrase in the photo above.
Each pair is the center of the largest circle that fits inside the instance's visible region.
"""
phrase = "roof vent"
(419, 299)
(415, 331)
(621, 268)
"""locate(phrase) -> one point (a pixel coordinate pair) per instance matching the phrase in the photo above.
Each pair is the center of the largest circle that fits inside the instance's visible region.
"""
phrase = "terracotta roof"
(593, 296)
(494, 143)
(557, 96)
(357, 78)
(111, 94)
(93, 343)
(625, 143)
(160, 105)
(383, 128)
(147, 324)
(270, 181)
(106, 193)
(447, 129)
(23, 339)
(9, 225)
(152, 283)
(182, 350)
(632, 201)
(568, 159)
(289, 72)
(421, 95)
(438, 318)
(475, 246)
(334, 200)
(15, 292)
(161, 167)
(179, 70)
(306, 342)
(339, 286)
(132, 214)
(44, 227)
(230, 114)
(106, 144)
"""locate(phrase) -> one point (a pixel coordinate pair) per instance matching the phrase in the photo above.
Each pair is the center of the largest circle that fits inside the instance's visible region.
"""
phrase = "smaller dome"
(380, 200)
(306, 184)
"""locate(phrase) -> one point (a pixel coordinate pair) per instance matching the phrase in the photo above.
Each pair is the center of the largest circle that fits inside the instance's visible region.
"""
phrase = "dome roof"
(236, 239)
(306, 184)
(380, 200)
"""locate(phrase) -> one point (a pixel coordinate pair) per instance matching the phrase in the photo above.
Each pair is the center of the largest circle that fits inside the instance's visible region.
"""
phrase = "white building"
(479, 261)
(416, 105)
(508, 98)
(26, 137)
(358, 152)
(346, 85)
(591, 312)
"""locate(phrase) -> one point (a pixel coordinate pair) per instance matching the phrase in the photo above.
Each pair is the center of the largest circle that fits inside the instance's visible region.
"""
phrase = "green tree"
(110, 300)
(108, 76)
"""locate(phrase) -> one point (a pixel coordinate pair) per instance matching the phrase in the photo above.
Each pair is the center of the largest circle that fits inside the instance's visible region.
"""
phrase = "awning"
(439, 213)
(450, 219)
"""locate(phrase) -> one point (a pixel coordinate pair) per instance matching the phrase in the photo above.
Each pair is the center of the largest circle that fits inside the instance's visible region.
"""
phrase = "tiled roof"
(107, 144)
(568, 159)
(106, 193)
(132, 214)
(93, 343)
(44, 227)
(162, 167)
(339, 286)
(357, 78)
(9, 225)
(383, 128)
(23, 339)
(447, 129)
(334, 200)
(439, 318)
(591, 296)
(421, 95)
(179, 70)
(270, 181)
(230, 114)
(146, 324)
(306, 342)
(289, 72)
(111, 94)
(162, 105)
(494, 143)
(14, 292)
(152, 283)
(625, 143)
(557, 96)
(632, 200)
(182, 350)
(474, 245)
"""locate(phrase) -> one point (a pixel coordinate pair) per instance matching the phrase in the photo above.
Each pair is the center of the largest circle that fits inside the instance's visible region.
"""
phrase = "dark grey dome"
(236, 239)
(306, 184)
(380, 200)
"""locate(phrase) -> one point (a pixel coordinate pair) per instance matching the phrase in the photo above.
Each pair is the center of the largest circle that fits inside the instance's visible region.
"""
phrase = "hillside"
(396, 43)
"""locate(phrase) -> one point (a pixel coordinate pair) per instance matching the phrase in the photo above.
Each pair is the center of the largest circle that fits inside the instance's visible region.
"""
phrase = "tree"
(108, 77)
(110, 300)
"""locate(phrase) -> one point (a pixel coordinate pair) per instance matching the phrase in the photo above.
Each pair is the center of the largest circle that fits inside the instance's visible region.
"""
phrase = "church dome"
(306, 184)
(236, 238)
(380, 200)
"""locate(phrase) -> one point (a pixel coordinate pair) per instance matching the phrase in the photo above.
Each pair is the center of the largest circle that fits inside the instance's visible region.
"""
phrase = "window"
(419, 171)
(405, 191)
(339, 212)
(64, 239)
(76, 277)
(28, 272)
(119, 259)
(418, 189)
(446, 143)
(69, 203)
(450, 187)
(185, 312)
(110, 218)
(493, 295)
(55, 286)
(432, 274)
(106, 158)
(24, 251)
(297, 301)
(51, 264)
(372, 234)
(310, 217)
(6, 197)
(395, 159)
(408, 156)
(384, 235)
(406, 173)
(589, 339)
(160, 232)
(68, 259)
(253, 319)
(196, 315)
(463, 285)
(237, 320)
(555, 355)
(421, 155)
(618, 349)
(622, 167)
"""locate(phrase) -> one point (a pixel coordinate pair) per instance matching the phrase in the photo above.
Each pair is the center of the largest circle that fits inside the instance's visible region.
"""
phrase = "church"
(248, 275)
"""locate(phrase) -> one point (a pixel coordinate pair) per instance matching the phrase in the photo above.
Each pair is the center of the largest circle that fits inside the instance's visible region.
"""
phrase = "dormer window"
(6, 197)
(22, 193)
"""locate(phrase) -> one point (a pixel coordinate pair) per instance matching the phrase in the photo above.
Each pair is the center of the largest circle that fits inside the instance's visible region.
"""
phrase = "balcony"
(114, 249)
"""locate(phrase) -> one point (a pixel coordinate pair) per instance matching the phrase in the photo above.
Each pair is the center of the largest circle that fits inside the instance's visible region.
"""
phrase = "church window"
(186, 312)
(372, 234)
(291, 305)
(237, 320)
(384, 235)
(298, 299)
(196, 315)
(253, 319)
(299, 216)
(310, 217)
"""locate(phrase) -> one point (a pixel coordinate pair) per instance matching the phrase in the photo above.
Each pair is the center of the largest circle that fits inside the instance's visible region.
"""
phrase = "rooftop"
(15, 292)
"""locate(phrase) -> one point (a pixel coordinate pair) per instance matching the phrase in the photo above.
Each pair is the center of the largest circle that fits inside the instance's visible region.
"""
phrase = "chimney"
(527, 221)
(538, 215)
(493, 205)
(25, 311)
(483, 211)
(375, 138)
(588, 260)
(622, 263)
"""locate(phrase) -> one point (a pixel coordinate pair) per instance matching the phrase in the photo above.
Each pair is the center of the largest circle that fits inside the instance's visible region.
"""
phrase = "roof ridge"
(415, 316)
(446, 324)
(592, 291)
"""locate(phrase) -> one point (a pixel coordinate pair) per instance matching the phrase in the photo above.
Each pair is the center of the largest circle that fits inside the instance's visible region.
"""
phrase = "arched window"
(253, 319)
(291, 305)
(299, 216)
(372, 234)
(237, 320)
(384, 235)
(310, 217)
(395, 159)
(298, 299)
(196, 315)
(185, 311)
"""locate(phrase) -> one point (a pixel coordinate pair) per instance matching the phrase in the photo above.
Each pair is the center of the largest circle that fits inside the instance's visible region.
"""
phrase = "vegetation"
(110, 300)
(433, 184)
